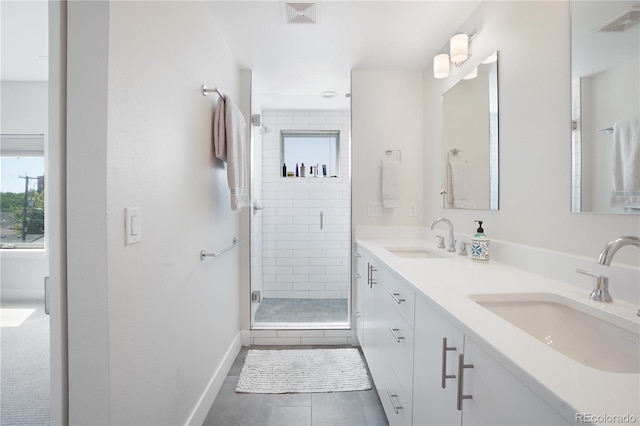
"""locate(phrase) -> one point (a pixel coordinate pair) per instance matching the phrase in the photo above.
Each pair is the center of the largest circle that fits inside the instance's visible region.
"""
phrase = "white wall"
(535, 134)
(386, 114)
(24, 111)
(300, 260)
(150, 324)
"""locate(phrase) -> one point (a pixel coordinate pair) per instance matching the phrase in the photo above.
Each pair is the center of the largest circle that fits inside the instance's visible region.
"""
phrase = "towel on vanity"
(230, 147)
(390, 184)
(626, 164)
(457, 180)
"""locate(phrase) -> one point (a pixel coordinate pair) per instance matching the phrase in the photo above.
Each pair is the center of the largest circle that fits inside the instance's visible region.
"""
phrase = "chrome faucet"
(609, 250)
(452, 242)
(607, 253)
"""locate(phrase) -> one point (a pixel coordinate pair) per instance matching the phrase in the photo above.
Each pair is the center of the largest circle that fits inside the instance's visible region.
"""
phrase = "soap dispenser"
(480, 245)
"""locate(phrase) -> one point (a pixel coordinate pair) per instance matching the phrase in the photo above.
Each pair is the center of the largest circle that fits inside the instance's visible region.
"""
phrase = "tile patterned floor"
(302, 310)
(361, 408)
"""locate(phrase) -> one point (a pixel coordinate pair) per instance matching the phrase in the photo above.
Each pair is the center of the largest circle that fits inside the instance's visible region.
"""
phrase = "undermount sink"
(583, 333)
(415, 252)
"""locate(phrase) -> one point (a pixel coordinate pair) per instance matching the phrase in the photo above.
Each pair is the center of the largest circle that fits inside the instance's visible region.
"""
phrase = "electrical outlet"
(413, 209)
(374, 208)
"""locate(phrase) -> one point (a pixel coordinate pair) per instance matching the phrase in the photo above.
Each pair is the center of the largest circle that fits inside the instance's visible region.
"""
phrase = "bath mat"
(303, 371)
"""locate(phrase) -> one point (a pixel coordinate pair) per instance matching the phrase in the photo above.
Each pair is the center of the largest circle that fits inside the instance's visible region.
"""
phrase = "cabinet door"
(359, 279)
(435, 399)
(368, 302)
(498, 397)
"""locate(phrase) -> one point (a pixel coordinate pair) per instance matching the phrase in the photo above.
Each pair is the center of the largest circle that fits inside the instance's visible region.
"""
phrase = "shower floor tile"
(302, 311)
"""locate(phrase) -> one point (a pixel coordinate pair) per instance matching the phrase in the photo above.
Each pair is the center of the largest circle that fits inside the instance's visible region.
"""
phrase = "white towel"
(626, 164)
(229, 146)
(390, 184)
(457, 180)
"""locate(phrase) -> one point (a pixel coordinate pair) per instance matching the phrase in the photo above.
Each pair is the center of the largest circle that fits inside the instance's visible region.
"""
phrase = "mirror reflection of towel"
(457, 183)
(390, 184)
(626, 164)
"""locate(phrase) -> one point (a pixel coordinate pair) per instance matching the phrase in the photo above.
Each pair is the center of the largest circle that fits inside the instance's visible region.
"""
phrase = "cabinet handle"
(446, 376)
(356, 254)
(395, 334)
(461, 367)
(370, 275)
(357, 275)
(396, 298)
(396, 408)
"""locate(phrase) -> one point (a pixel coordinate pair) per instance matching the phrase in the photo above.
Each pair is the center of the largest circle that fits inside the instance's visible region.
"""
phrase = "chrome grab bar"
(236, 243)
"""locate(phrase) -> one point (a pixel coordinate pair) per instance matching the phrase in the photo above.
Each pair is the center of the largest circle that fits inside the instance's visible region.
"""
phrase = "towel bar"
(236, 243)
(206, 90)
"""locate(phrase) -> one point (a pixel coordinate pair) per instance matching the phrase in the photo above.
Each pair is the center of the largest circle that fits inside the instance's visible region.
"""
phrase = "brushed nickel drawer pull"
(395, 334)
(396, 298)
(461, 367)
(396, 408)
(445, 349)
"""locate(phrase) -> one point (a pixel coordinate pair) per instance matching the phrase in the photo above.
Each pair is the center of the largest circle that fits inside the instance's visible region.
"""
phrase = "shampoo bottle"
(480, 245)
(284, 170)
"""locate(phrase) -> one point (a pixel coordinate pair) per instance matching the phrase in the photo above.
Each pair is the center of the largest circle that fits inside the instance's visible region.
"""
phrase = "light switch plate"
(133, 225)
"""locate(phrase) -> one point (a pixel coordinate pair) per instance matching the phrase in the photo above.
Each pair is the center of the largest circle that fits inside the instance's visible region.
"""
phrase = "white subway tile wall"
(299, 259)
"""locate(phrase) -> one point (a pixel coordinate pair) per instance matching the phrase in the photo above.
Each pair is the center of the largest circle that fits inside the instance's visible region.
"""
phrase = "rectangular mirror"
(605, 48)
(470, 139)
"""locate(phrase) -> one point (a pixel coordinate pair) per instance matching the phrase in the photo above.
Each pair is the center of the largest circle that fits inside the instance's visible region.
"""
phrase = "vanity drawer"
(396, 401)
(400, 296)
(396, 341)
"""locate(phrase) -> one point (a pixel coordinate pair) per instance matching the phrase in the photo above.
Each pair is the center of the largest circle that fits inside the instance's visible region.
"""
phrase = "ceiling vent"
(622, 22)
(300, 13)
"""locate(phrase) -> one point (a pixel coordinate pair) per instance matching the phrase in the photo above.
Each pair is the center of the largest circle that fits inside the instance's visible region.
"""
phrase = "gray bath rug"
(303, 371)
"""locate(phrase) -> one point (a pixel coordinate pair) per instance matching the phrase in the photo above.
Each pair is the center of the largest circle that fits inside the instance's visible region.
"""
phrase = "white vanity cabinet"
(359, 280)
(477, 389)
(394, 304)
(368, 308)
(437, 345)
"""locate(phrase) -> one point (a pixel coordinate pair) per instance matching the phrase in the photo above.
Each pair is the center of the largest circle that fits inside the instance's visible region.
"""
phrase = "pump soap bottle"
(480, 245)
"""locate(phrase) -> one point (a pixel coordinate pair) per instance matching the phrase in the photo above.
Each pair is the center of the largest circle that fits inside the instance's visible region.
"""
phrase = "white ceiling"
(293, 63)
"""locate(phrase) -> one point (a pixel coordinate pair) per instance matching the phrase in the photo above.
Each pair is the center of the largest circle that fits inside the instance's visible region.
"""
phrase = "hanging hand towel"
(229, 146)
(458, 183)
(626, 164)
(390, 184)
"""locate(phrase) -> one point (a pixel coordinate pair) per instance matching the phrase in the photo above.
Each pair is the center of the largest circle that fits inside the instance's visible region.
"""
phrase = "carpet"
(303, 371)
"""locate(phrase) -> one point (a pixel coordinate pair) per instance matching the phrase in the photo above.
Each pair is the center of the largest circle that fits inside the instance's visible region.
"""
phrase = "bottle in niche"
(284, 170)
(303, 170)
(480, 245)
(297, 172)
(324, 170)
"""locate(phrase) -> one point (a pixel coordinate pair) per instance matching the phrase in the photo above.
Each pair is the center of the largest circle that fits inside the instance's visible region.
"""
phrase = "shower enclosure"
(300, 223)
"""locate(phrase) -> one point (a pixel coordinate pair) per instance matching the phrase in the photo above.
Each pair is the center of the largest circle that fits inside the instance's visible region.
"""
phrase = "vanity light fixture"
(458, 53)
(441, 66)
(472, 74)
(459, 48)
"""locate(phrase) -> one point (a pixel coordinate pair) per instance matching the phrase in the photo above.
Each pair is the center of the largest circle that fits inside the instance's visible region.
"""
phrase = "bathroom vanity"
(450, 341)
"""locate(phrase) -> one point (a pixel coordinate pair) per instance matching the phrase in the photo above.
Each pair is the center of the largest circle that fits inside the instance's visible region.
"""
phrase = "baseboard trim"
(201, 409)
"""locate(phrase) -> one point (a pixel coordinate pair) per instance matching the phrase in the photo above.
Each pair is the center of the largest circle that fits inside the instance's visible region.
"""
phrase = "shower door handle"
(321, 220)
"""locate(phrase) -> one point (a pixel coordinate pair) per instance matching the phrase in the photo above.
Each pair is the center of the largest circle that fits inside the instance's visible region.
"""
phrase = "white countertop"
(568, 386)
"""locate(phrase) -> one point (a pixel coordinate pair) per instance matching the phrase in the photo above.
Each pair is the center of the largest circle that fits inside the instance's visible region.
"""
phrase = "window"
(314, 148)
(22, 213)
